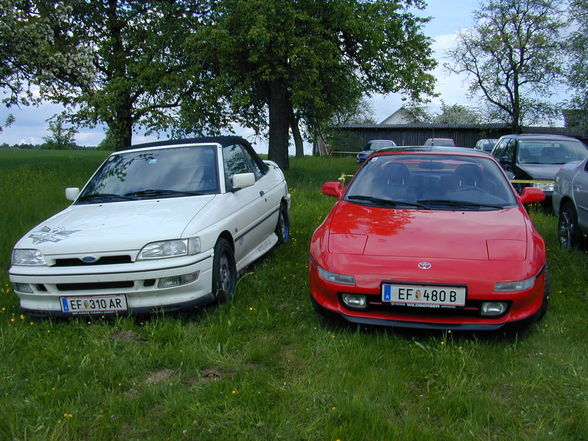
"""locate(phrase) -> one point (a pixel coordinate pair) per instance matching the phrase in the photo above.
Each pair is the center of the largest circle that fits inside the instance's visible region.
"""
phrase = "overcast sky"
(447, 18)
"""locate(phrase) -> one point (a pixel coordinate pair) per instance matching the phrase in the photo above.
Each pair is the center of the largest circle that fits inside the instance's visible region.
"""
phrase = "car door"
(580, 189)
(247, 206)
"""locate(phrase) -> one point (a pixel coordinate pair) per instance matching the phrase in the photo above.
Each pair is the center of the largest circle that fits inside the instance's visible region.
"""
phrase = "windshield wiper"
(103, 197)
(380, 201)
(461, 204)
(160, 192)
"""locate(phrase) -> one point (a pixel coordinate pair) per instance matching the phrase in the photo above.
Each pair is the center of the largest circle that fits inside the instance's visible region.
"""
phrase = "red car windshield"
(431, 181)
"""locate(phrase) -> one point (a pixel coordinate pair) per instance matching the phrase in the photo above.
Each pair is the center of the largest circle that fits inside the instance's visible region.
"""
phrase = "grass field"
(264, 366)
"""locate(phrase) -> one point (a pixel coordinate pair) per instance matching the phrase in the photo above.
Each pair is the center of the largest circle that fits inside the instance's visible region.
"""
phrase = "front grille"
(104, 260)
(93, 286)
(471, 309)
(375, 304)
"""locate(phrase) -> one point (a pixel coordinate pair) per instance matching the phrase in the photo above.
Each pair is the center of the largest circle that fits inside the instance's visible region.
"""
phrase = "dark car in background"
(537, 158)
(570, 203)
(486, 144)
(372, 146)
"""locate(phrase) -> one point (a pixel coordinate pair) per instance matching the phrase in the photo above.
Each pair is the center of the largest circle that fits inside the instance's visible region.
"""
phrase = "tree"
(30, 55)
(578, 69)
(62, 138)
(513, 54)
(456, 114)
(417, 112)
(141, 74)
(275, 58)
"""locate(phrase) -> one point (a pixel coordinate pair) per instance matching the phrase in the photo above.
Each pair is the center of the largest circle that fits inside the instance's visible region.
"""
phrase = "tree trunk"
(121, 127)
(298, 141)
(279, 116)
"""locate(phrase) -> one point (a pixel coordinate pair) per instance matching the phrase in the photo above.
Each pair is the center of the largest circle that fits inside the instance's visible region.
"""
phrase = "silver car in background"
(570, 202)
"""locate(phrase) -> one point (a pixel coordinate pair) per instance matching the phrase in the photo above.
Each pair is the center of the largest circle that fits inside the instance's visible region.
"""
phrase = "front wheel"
(567, 226)
(224, 271)
(283, 226)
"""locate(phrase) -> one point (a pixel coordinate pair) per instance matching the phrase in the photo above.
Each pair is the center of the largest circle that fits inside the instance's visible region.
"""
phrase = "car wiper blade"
(160, 192)
(380, 201)
(97, 197)
(454, 203)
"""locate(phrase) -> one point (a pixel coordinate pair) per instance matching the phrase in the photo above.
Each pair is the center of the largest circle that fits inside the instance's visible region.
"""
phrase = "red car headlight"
(515, 286)
(328, 276)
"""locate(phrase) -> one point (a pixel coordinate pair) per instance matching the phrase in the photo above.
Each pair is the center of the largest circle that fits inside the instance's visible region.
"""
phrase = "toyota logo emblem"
(424, 265)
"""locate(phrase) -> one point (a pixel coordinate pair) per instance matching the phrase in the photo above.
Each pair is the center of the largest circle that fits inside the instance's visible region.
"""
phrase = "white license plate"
(423, 295)
(94, 304)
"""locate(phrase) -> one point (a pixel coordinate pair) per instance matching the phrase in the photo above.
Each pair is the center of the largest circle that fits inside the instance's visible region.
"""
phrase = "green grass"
(264, 366)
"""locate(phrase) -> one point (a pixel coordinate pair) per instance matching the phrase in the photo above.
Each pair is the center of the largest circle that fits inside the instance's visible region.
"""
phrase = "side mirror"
(243, 180)
(531, 194)
(72, 193)
(504, 160)
(332, 188)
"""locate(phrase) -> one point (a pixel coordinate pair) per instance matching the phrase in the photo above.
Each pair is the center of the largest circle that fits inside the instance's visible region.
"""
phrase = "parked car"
(447, 142)
(486, 145)
(537, 158)
(373, 146)
(430, 238)
(570, 202)
(158, 227)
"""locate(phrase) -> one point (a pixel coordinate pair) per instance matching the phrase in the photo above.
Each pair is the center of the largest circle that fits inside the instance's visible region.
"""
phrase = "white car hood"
(115, 226)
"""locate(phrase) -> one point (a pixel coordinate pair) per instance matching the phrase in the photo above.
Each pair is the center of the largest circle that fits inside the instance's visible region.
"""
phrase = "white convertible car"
(159, 227)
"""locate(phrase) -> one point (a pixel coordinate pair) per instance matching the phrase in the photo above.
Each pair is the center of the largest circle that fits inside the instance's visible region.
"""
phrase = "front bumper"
(138, 281)
(523, 305)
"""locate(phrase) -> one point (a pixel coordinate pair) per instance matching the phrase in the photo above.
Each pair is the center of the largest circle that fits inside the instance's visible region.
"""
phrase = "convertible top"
(222, 140)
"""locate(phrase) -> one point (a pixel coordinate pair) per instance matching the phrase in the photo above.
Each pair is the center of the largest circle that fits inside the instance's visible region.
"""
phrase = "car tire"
(567, 226)
(224, 271)
(283, 226)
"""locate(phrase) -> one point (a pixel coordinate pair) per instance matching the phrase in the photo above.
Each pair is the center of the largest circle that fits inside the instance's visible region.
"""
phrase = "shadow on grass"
(510, 333)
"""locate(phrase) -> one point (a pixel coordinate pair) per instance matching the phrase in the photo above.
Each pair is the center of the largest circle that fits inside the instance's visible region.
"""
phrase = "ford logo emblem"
(89, 259)
(424, 265)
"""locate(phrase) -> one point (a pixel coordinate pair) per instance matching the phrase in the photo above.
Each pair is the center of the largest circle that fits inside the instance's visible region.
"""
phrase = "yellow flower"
(442, 342)
(234, 392)
(12, 319)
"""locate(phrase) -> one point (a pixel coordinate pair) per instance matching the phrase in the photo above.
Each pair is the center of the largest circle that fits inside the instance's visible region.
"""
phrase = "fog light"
(354, 300)
(492, 309)
(170, 282)
(22, 287)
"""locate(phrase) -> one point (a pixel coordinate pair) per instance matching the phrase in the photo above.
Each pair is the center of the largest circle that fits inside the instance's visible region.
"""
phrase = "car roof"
(222, 140)
(433, 149)
(539, 136)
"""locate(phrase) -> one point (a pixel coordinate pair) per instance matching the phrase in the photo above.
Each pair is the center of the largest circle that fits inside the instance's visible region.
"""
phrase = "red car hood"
(463, 235)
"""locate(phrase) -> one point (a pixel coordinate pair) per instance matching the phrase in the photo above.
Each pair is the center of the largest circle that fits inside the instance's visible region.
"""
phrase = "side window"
(235, 162)
(499, 148)
(509, 151)
(254, 165)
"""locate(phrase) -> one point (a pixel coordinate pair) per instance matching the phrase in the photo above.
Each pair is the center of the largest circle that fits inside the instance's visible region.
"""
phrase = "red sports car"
(430, 237)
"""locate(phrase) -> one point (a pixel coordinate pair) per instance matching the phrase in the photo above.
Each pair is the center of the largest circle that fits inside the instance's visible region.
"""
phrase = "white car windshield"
(151, 174)
(430, 181)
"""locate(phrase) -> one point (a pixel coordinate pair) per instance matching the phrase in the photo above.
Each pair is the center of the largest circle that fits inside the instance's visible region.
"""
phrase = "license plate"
(423, 295)
(94, 304)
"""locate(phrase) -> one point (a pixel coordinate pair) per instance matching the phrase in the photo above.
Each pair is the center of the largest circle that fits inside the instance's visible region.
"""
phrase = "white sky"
(448, 17)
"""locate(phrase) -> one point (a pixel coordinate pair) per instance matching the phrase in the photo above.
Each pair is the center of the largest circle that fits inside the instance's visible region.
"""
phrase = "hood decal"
(46, 234)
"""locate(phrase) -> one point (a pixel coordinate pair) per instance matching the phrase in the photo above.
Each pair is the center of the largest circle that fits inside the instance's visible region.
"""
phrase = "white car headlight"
(335, 278)
(544, 186)
(170, 248)
(27, 257)
(515, 286)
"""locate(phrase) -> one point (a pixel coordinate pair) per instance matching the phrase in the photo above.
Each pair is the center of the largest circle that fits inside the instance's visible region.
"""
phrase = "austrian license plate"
(94, 304)
(423, 295)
